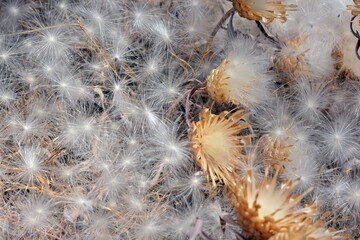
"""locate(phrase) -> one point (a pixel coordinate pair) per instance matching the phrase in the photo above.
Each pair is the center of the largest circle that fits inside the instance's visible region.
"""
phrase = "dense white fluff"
(96, 99)
(276, 119)
(192, 8)
(311, 98)
(168, 89)
(171, 153)
(70, 87)
(26, 127)
(186, 224)
(12, 12)
(36, 215)
(120, 45)
(341, 195)
(150, 227)
(110, 185)
(252, 163)
(303, 166)
(320, 64)
(311, 16)
(78, 204)
(164, 36)
(351, 198)
(31, 164)
(339, 137)
(140, 15)
(151, 66)
(52, 39)
(101, 226)
(139, 112)
(79, 130)
(7, 97)
(189, 186)
(9, 53)
(98, 19)
(248, 78)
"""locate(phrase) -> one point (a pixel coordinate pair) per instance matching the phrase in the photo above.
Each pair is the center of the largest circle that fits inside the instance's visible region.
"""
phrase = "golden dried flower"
(263, 10)
(355, 9)
(216, 84)
(291, 58)
(217, 143)
(242, 78)
(275, 152)
(264, 209)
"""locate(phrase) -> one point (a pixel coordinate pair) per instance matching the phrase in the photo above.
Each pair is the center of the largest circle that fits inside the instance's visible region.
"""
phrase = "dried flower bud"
(275, 152)
(264, 209)
(217, 144)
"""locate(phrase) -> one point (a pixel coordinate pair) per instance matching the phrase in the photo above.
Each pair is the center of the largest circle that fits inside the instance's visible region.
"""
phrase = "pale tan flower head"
(291, 58)
(263, 10)
(264, 209)
(217, 144)
(216, 84)
(274, 152)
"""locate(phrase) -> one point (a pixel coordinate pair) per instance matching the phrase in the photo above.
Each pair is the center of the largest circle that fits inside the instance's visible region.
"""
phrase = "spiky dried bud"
(264, 209)
(216, 84)
(275, 152)
(263, 10)
(290, 59)
(217, 144)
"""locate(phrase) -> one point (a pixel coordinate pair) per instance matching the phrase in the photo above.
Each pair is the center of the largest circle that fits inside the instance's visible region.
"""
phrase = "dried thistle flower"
(290, 59)
(241, 78)
(263, 10)
(264, 209)
(217, 143)
(275, 152)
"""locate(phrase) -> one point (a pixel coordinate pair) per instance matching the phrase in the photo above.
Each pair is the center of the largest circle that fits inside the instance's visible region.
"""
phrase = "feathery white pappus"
(246, 77)
(310, 99)
(341, 195)
(97, 100)
(338, 137)
(37, 215)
